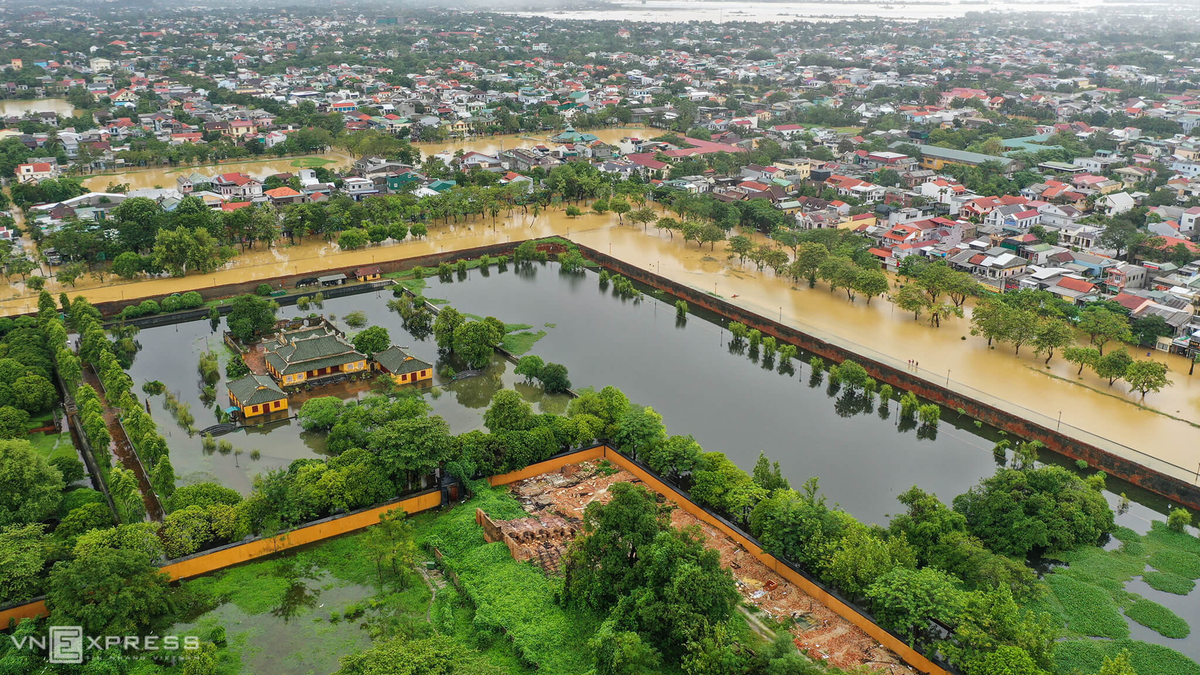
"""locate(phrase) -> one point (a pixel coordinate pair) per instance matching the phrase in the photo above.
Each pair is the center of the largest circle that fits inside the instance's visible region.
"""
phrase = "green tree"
(30, 488)
(740, 245)
(599, 566)
(993, 318)
(1084, 356)
(372, 340)
(320, 413)
(619, 207)
(352, 239)
(1113, 365)
(445, 326)
(1051, 334)
(862, 556)
(137, 221)
(108, 592)
(677, 455)
(128, 265)
(912, 298)
(14, 422)
(1146, 376)
(1121, 664)
(1103, 326)
(870, 283)
(476, 341)
(530, 367)
(1015, 512)
(996, 636)
(180, 251)
(554, 378)
(23, 559)
(508, 412)
(906, 600)
(639, 430)
(1179, 519)
(251, 316)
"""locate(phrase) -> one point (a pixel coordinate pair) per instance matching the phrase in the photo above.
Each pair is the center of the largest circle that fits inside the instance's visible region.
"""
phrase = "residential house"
(36, 172)
(236, 186)
(1123, 276)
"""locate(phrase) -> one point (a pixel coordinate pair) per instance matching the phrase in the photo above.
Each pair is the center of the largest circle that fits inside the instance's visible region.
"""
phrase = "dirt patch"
(815, 628)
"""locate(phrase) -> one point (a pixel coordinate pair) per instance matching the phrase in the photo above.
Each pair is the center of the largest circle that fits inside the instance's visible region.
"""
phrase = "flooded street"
(1087, 405)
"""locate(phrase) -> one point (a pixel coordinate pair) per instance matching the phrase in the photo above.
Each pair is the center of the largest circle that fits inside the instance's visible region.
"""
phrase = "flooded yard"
(170, 354)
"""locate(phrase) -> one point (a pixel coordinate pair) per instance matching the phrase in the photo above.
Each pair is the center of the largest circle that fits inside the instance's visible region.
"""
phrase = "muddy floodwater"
(165, 176)
(170, 354)
(20, 107)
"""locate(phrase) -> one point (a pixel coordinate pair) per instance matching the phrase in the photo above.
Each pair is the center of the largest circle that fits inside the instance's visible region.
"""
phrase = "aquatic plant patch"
(1169, 583)
(1086, 656)
(1089, 610)
(1157, 618)
(1176, 562)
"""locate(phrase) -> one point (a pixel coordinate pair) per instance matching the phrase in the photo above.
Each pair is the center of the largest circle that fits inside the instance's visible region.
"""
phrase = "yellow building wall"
(264, 408)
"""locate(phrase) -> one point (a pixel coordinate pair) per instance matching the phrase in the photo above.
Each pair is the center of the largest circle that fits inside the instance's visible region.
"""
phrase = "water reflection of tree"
(851, 403)
(786, 367)
(737, 346)
(477, 391)
(297, 597)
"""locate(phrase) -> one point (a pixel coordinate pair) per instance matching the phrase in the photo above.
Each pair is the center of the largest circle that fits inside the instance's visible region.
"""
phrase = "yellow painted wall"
(22, 612)
(216, 560)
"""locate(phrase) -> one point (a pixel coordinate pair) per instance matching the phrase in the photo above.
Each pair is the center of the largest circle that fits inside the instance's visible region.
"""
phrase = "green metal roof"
(255, 390)
(398, 362)
(311, 353)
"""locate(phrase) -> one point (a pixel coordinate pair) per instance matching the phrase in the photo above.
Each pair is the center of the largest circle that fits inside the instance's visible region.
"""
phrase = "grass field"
(53, 445)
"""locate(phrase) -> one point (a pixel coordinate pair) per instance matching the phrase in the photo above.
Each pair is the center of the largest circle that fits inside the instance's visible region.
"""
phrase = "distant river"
(719, 12)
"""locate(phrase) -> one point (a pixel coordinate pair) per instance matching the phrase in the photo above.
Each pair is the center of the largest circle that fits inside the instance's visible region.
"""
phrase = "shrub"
(71, 468)
(930, 414)
(1179, 519)
(264, 289)
(418, 272)
(909, 405)
(190, 300)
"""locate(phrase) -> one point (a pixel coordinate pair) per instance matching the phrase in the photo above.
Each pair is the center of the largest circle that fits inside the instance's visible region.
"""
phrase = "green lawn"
(53, 445)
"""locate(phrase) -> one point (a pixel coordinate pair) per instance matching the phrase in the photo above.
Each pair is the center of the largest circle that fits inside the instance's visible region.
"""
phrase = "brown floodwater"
(165, 176)
(1089, 408)
(19, 107)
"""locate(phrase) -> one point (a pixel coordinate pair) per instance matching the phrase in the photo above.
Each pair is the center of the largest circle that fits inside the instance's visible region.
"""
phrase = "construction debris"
(557, 501)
